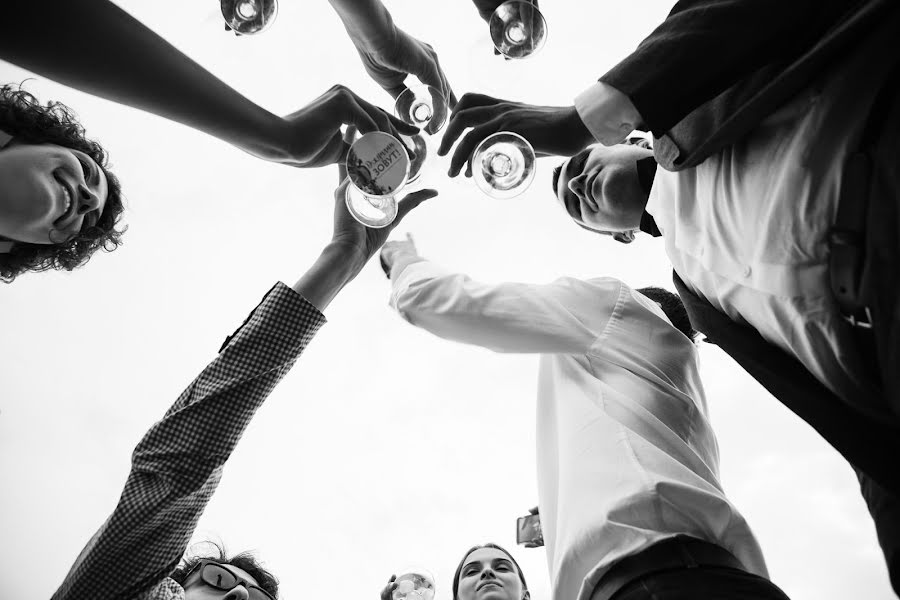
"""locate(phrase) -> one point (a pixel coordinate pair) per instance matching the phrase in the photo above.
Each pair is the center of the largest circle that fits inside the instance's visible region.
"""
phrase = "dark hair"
(244, 560)
(462, 562)
(673, 307)
(30, 122)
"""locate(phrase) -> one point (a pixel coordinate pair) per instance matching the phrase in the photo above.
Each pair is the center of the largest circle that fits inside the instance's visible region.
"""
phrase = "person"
(59, 202)
(485, 572)
(776, 241)
(627, 461)
(178, 464)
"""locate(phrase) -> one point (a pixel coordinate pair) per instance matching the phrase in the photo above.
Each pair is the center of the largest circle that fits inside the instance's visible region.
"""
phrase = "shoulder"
(167, 589)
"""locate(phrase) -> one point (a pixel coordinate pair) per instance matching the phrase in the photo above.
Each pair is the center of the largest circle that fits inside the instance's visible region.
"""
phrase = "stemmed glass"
(246, 17)
(378, 168)
(425, 107)
(415, 584)
(503, 165)
(518, 29)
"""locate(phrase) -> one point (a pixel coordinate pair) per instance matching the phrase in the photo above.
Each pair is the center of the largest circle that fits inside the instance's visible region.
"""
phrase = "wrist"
(576, 129)
(347, 258)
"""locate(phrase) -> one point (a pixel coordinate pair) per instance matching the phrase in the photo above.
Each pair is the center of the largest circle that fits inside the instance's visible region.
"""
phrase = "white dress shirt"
(747, 229)
(626, 456)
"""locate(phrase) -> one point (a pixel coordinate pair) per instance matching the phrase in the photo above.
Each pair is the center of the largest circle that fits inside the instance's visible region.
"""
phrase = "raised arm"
(112, 55)
(178, 464)
(565, 316)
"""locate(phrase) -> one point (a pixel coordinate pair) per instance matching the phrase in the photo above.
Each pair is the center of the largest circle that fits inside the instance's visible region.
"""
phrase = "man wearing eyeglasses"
(177, 466)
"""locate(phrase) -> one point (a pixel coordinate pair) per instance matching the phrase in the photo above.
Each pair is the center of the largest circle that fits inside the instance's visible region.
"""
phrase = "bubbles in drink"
(414, 586)
(246, 17)
(518, 29)
(503, 165)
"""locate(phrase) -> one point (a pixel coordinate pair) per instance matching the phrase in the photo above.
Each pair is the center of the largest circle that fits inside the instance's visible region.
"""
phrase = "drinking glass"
(423, 106)
(518, 29)
(246, 17)
(378, 166)
(503, 165)
(414, 584)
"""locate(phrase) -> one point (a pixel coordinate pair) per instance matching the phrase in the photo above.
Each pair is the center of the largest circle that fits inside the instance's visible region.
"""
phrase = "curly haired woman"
(58, 201)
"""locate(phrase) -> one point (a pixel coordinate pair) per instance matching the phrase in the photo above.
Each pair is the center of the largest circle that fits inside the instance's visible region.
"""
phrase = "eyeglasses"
(222, 578)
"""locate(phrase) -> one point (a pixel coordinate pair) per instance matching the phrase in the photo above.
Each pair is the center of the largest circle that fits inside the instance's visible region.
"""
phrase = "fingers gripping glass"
(246, 17)
(378, 166)
(518, 29)
(222, 578)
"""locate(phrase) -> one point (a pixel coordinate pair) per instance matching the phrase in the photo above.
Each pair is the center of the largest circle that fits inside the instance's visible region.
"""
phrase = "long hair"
(30, 122)
(462, 561)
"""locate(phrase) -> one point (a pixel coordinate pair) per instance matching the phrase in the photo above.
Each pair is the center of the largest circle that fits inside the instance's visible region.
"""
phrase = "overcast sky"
(384, 446)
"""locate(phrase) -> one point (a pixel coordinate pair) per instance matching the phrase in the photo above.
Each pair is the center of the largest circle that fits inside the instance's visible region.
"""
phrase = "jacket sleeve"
(177, 465)
(706, 46)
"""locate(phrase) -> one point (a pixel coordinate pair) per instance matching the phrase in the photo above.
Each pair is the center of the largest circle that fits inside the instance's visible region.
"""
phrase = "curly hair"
(244, 560)
(462, 562)
(30, 122)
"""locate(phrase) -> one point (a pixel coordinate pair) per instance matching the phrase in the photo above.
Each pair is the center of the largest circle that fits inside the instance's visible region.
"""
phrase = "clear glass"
(246, 17)
(378, 166)
(415, 584)
(503, 165)
(518, 29)
(423, 106)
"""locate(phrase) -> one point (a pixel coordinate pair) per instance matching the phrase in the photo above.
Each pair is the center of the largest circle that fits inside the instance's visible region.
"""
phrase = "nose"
(576, 185)
(87, 200)
(488, 573)
(239, 592)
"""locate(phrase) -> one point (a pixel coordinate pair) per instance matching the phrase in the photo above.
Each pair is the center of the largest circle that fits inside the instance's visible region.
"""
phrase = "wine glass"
(503, 165)
(414, 584)
(423, 106)
(378, 168)
(246, 17)
(518, 29)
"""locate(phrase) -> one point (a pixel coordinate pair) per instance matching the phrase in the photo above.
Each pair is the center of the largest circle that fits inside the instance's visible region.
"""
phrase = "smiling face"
(600, 188)
(489, 574)
(48, 193)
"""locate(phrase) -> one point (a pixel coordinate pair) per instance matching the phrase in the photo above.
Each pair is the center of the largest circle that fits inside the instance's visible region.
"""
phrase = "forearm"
(336, 266)
(365, 20)
(96, 47)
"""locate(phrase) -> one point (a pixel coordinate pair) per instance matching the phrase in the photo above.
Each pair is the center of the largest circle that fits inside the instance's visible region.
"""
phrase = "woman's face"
(489, 574)
(48, 193)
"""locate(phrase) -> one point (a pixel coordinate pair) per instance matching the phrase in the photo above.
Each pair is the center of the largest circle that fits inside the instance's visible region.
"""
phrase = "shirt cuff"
(606, 112)
(410, 274)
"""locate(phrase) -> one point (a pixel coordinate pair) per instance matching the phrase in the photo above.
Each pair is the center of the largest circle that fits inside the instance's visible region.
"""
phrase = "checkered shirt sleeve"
(178, 464)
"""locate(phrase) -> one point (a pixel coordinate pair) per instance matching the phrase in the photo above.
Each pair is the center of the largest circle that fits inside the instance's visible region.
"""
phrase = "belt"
(679, 552)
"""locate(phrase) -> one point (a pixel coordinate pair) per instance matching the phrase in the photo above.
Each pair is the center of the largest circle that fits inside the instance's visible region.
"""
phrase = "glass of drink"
(518, 29)
(378, 166)
(423, 106)
(503, 165)
(414, 584)
(246, 17)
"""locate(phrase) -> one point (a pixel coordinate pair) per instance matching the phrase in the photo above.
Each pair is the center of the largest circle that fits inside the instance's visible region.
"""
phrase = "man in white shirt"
(630, 497)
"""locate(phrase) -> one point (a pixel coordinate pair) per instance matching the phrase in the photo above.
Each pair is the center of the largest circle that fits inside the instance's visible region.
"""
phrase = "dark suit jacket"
(715, 68)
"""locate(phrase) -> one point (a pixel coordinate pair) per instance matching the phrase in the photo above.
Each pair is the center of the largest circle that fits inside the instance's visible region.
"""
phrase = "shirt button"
(746, 271)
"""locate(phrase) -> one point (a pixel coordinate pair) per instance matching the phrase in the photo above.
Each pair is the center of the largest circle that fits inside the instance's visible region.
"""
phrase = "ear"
(6, 246)
(626, 237)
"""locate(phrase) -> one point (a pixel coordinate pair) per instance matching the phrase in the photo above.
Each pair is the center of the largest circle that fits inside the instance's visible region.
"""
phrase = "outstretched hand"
(393, 56)
(388, 591)
(550, 129)
(311, 137)
(365, 241)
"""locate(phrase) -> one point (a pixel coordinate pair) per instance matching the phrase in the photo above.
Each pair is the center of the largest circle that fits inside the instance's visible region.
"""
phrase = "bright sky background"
(385, 446)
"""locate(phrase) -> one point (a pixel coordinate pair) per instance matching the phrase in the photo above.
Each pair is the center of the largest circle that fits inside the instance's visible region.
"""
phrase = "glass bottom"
(503, 165)
(374, 212)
